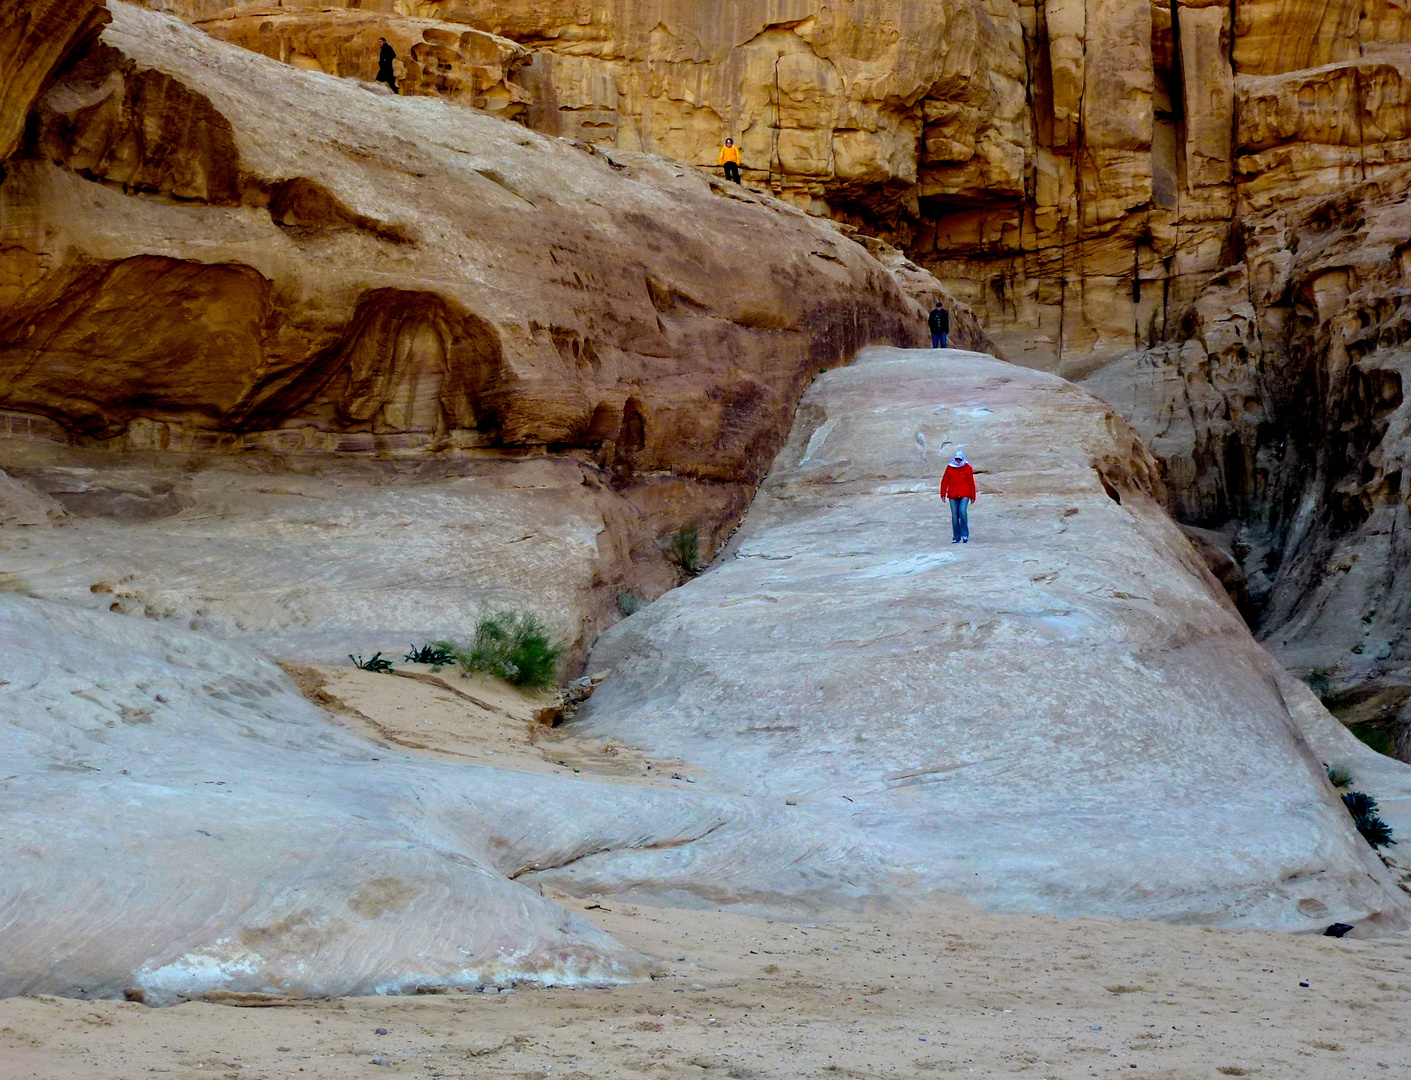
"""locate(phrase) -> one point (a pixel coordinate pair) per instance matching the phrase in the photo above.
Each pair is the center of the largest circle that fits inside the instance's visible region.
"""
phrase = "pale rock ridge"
(1065, 715)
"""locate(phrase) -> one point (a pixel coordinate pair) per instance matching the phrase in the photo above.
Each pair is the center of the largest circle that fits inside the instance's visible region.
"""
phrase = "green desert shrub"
(1338, 777)
(629, 603)
(1319, 680)
(1363, 809)
(436, 653)
(514, 646)
(683, 547)
(378, 663)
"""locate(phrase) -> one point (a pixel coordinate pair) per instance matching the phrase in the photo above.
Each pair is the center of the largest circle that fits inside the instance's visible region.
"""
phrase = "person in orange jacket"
(730, 158)
(958, 485)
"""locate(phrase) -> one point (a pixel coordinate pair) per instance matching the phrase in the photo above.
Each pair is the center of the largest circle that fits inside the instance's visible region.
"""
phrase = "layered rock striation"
(1282, 422)
(1072, 169)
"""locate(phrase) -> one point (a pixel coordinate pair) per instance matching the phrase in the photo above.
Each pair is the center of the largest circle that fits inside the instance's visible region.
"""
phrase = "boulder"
(1065, 715)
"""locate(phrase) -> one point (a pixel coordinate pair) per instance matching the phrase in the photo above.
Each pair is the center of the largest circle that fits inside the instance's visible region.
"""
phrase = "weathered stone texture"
(1282, 420)
(1070, 168)
(36, 36)
(935, 703)
(433, 58)
(208, 252)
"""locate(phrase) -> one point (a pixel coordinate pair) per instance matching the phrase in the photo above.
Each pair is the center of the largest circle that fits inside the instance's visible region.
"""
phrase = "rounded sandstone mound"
(180, 822)
(1065, 715)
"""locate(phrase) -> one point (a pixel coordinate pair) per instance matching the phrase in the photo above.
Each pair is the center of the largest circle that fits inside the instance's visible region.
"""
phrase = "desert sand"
(954, 993)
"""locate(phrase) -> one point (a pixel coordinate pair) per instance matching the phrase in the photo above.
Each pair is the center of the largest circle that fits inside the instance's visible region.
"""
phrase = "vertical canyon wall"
(1072, 169)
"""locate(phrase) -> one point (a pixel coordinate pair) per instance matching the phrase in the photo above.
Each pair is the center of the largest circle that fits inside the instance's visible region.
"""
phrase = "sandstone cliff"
(1282, 421)
(205, 253)
(1072, 169)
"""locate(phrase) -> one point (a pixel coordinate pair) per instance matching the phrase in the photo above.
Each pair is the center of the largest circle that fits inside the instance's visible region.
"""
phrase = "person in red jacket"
(958, 485)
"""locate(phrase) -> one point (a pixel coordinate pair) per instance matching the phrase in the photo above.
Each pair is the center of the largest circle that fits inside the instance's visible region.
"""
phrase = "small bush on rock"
(378, 663)
(515, 647)
(629, 603)
(1338, 777)
(1319, 680)
(1363, 809)
(436, 653)
(683, 548)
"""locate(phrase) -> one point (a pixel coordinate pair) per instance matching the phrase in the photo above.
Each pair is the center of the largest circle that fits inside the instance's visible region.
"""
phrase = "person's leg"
(945, 341)
(732, 172)
(964, 520)
(935, 341)
(955, 521)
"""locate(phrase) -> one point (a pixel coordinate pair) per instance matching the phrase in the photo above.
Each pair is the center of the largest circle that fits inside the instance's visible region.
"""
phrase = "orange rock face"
(348, 265)
(1072, 169)
(443, 59)
(206, 252)
(36, 36)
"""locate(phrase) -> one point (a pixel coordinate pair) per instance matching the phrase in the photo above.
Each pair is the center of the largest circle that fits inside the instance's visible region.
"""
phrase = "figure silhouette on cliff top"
(385, 56)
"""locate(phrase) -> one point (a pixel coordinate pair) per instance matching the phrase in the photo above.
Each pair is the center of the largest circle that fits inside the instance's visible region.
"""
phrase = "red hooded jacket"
(958, 483)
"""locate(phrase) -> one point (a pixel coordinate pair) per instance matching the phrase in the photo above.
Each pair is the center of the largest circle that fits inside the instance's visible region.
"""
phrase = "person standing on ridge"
(384, 65)
(939, 322)
(730, 158)
(958, 485)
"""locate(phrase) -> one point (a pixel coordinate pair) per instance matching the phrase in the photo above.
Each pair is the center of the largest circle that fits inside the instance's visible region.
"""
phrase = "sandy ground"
(957, 994)
(440, 713)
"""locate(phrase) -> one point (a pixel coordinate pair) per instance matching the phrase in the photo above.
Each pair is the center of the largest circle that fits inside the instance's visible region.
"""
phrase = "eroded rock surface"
(1282, 421)
(205, 253)
(1065, 715)
(1074, 170)
(433, 58)
(179, 821)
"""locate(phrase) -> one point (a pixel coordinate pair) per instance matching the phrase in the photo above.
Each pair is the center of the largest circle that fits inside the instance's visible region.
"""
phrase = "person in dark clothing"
(384, 65)
(940, 326)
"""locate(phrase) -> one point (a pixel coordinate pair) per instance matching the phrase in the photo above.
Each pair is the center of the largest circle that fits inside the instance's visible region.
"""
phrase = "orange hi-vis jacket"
(729, 153)
(958, 483)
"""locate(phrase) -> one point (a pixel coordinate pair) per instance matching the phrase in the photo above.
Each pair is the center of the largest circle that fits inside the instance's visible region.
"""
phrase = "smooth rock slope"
(1065, 716)
(178, 821)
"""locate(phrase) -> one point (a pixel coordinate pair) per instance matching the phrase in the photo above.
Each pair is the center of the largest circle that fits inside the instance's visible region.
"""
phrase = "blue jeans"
(959, 520)
(938, 341)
